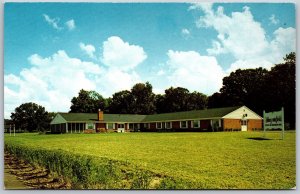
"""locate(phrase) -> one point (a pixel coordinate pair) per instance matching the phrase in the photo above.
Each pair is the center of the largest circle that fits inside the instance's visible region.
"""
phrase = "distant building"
(217, 119)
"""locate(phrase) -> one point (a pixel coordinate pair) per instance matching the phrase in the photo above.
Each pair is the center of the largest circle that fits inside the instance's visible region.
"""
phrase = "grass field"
(235, 160)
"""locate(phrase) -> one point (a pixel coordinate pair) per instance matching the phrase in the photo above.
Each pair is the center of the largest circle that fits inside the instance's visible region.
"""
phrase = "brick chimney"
(100, 115)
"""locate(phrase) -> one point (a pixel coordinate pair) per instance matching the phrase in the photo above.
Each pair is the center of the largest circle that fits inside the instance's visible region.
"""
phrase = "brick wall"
(189, 125)
(175, 124)
(254, 124)
(231, 124)
(152, 126)
(204, 124)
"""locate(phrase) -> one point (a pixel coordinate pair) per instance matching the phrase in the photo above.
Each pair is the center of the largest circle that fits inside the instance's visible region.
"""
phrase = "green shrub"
(85, 171)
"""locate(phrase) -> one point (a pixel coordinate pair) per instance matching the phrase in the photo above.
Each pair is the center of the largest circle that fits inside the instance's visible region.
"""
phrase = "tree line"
(258, 89)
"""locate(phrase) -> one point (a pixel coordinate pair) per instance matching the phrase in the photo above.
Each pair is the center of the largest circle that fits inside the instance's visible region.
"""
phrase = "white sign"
(274, 120)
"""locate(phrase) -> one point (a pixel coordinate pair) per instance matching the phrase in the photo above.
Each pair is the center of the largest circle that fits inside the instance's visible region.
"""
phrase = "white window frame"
(170, 125)
(198, 123)
(129, 126)
(147, 125)
(157, 125)
(112, 124)
(135, 125)
(87, 126)
(186, 123)
(121, 124)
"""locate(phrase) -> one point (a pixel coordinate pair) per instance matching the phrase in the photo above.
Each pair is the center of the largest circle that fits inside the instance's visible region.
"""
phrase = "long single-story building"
(217, 119)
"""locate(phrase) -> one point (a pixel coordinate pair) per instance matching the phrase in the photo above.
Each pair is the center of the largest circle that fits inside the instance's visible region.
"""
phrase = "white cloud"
(185, 33)
(244, 38)
(161, 72)
(117, 53)
(70, 24)
(88, 49)
(52, 21)
(53, 81)
(216, 49)
(114, 80)
(273, 19)
(283, 43)
(194, 72)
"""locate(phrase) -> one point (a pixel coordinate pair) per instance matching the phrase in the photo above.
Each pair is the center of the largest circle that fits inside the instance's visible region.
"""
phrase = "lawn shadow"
(258, 138)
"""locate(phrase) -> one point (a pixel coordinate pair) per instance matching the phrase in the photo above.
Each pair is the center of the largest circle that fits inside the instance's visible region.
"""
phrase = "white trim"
(161, 125)
(147, 125)
(110, 128)
(227, 116)
(170, 125)
(183, 120)
(186, 122)
(193, 124)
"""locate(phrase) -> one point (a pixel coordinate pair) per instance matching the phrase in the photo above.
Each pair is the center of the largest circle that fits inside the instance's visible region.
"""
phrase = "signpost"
(274, 120)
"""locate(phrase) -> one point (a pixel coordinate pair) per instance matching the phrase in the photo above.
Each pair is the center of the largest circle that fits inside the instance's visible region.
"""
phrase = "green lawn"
(215, 160)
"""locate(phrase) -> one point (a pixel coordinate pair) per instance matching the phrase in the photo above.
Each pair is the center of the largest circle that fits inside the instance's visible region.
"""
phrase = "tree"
(143, 99)
(244, 87)
(31, 117)
(216, 100)
(196, 101)
(87, 102)
(260, 89)
(121, 103)
(280, 88)
(160, 103)
(176, 99)
(180, 99)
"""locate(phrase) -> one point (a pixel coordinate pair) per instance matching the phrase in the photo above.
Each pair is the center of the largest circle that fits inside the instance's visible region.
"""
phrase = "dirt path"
(19, 174)
(11, 181)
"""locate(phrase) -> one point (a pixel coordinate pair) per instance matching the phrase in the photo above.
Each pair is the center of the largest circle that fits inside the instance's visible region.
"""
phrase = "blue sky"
(52, 50)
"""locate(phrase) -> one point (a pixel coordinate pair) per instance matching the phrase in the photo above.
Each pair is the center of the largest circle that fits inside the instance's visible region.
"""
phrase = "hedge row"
(87, 172)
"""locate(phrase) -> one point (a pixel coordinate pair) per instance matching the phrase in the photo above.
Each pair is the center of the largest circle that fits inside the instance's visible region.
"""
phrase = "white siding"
(238, 114)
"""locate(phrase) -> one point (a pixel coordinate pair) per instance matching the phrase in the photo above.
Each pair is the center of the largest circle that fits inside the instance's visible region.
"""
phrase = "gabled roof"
(134, 118)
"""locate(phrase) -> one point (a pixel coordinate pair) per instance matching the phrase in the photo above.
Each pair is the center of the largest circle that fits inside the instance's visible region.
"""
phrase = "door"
(244, 125)
(121, 128)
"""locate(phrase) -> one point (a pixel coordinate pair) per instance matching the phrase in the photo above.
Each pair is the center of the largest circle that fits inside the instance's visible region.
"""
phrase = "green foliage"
(31, 117)
(143, 99)
(223, 160)
(87, 102)
(180, 99)
(140, 100)
(121, 103)
(260, 89)
(141, 180)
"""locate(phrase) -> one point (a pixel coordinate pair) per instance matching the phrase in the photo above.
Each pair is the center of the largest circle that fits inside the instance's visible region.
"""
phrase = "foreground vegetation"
(235, 160)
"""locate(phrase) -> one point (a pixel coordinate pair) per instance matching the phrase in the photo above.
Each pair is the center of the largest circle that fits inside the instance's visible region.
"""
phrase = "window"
(90, 125)
(158, 125)
(183, 124)
(168, 125)
(196, 123)
(136, 126)
(120, 125)
(110, 125)
(131, 125)
(244, 122)
(147, 125)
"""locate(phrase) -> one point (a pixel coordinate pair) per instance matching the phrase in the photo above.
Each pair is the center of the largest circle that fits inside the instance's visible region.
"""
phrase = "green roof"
(134, 118)
(189, 115)
(106, 117)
